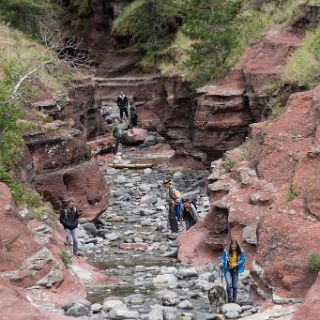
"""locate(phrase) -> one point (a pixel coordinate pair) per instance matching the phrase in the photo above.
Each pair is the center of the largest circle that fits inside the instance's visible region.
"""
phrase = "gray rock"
(232, 315)
(148, 199)
(185, 304)
(26, 214)
(136, 299)
(126, 197)
(90, 228)
(144, 187)
(164, 281)
(156, 313)
(78, 310)
(171, 313)
(231, 307)
(177, 176)
(249, 234)
(168, 298)
(150, 141)
(122, 312)
(96, 308)
(113, 236)
(187, 272)
(111, 304)
(147, 171)
(121, 179)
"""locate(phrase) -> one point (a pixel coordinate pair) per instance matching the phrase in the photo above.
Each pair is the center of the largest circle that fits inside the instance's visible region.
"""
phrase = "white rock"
(111, 304)
(249, 234)
(231, 307)
(156, 313)
(164, 281)
(185, 304)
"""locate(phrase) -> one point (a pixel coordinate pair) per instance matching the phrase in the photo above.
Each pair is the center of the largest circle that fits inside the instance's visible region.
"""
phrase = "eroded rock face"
(268, 195)
(58, 158)
(218, 120)
(310, 308)
(82, 183)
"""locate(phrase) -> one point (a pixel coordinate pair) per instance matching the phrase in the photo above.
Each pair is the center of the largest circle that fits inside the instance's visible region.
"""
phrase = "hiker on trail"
(133, 115)
(232, 261)
(175, 197)
(69, 218)
(122, 103)
(172, 218)
(116, 133)
(188, 213)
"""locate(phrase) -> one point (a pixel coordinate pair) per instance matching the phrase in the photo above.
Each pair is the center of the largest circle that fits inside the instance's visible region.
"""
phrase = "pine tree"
(209, 23)
(25, 15)
(150, 24)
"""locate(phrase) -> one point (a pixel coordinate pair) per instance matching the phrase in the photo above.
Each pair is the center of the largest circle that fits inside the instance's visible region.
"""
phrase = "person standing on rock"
(232, 263)
(172, 219)
(175, 197)
(133, 116)
(116, 133)
(188, 213)
(122, 103)
(69, 218)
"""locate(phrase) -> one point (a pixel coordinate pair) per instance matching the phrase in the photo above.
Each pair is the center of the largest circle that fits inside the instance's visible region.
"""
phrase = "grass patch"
(292, 193)
(33, 200)
(303, 67)
(275, 112)
(313, 262)
(247, 149)
(229, 163)
(66, 259)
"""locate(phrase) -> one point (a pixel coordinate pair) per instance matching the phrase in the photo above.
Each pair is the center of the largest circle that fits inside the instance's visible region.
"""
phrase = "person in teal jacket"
(232, 263)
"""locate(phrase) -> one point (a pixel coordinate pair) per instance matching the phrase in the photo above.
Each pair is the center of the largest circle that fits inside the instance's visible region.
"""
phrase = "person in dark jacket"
(133, 116)
(122, 103)
(188, 213)
(69, 218)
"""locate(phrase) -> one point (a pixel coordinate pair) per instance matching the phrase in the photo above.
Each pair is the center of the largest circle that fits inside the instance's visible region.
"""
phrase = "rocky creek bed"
(131, 241)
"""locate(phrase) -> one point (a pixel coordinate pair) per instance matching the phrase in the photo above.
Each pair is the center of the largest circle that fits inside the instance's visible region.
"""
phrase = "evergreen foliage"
(151, 25)
(25, 15)
(211, 25)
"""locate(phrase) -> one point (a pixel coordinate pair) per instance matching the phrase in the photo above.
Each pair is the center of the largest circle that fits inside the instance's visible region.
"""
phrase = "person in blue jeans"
(232, 261)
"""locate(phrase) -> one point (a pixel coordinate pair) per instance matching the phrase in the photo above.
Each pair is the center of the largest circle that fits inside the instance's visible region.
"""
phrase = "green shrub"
(25, 15)
(275, 112)
(303, 67)
(313, 263)
(66, 259)
(16, 188)
(292, 193)
(229, 163)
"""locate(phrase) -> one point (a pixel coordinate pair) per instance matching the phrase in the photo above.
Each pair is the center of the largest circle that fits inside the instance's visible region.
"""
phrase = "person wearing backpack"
(69, 218)
(116, 133)
(172, 219)
(133, 116)
(175, 197)
(232, 263)
(188, 213)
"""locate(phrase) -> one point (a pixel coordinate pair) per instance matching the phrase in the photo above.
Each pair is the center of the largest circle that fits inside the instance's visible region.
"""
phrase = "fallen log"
(131, 165)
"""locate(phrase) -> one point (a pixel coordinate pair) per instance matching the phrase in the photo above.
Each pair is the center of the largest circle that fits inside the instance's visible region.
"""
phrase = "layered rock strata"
(265, 194)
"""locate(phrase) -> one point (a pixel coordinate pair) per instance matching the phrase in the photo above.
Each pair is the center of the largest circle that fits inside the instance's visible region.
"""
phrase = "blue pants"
(232, 284)
(178, 208)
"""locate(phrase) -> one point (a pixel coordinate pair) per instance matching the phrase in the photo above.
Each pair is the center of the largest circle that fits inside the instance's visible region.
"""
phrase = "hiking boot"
(230, 300)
